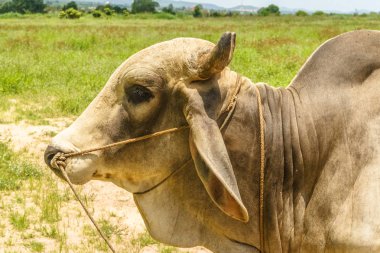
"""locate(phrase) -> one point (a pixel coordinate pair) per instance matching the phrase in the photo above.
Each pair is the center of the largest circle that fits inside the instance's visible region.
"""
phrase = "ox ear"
(212, 62)
(212, 162)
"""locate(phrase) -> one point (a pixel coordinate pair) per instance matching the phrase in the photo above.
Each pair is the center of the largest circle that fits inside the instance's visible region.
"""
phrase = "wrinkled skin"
(201, 186)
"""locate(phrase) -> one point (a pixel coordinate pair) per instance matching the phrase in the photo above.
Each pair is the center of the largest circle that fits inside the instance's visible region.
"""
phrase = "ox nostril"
(50, 152)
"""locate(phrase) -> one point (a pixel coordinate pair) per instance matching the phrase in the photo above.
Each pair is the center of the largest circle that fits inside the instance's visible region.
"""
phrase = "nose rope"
(141, 138)
(59, 159)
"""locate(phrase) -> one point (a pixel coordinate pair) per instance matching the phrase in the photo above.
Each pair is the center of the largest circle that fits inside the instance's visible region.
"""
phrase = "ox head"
(170, 84)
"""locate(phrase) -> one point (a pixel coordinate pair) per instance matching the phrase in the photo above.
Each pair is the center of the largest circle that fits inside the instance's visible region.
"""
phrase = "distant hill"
(181, 4)
(244, 8)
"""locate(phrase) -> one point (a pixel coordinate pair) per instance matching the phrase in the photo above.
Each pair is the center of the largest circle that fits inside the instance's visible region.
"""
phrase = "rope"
(141, 138)
(262, 167)
(85, 209)
(58, 160)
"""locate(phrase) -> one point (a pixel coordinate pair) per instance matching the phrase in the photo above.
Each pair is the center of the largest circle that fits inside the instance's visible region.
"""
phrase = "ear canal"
(213, 164)
(218, 58)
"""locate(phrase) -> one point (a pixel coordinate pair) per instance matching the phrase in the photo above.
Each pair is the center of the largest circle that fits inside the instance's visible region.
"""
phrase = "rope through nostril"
(59, 159)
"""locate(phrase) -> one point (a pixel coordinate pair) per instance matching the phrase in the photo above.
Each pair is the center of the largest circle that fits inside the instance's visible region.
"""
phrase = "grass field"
(52, 68)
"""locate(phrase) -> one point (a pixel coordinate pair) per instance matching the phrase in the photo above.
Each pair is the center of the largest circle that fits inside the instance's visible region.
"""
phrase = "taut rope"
(59, 159)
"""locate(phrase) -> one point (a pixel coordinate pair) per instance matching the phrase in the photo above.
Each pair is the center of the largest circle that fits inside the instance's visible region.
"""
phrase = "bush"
(216, 14)
(62, 14)
(70, 13)
(301, 13)
(108, 11)
(319, 13)
(96, 14)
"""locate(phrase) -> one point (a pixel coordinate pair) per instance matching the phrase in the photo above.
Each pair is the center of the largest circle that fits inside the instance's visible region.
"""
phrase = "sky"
(335, 5)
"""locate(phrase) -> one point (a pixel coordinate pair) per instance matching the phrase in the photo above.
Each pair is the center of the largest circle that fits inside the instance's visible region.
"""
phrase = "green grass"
(50, 231)
(54, 68)
(14, 171)
(36, 246)
(50, 205)
(19, 220)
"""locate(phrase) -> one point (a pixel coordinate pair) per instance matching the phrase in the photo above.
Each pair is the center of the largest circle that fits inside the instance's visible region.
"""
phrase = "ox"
(201, 186)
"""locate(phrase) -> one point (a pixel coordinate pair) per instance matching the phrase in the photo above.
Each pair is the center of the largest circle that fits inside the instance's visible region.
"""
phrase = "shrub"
(216, 14)
(96, 14)
(70, 13)
(62, 14)
(108, 11)
(301, 13)
(318, 13)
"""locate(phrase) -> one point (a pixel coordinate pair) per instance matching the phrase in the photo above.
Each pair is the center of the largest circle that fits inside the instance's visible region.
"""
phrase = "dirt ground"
(104, 199)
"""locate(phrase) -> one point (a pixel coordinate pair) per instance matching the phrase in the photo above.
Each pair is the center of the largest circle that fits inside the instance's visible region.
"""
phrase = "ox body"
(201, 186)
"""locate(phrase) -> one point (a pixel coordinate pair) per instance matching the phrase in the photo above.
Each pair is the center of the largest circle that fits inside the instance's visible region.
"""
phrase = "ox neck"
(291, 161)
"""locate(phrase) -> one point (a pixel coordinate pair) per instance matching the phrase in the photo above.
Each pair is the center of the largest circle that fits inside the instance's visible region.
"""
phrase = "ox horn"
(214, 61)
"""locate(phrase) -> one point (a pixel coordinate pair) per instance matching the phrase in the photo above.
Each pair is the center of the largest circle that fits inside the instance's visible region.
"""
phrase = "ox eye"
(138, 94)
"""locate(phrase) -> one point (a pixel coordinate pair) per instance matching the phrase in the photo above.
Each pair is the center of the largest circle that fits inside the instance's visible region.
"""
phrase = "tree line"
(71, 9)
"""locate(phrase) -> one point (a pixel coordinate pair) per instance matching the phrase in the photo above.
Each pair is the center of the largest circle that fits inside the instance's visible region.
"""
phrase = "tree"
(144, 6)
(301, 13)
(273, 9)
(197, 13)
(23, 6)
(7, 7)
(69, 5)
(269, 10)
(118, 9)
(169, 9)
